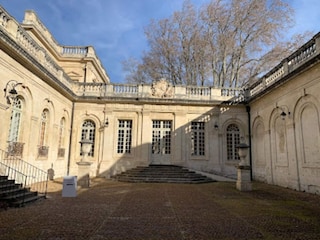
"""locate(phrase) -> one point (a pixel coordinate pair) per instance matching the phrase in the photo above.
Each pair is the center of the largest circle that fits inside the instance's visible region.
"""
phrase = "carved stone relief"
(162, 89)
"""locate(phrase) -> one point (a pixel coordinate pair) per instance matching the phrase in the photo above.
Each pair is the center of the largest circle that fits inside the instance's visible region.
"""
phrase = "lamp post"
(243, 169)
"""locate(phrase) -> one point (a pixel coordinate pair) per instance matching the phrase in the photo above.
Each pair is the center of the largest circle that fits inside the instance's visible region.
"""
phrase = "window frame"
(124, 145)
(161, 137)
(198, 138)
(61, 140)
(232, 140)
(92, 135)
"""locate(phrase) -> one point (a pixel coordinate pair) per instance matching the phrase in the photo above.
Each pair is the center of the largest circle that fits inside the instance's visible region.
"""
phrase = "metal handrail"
(15, 176)
(35, 178)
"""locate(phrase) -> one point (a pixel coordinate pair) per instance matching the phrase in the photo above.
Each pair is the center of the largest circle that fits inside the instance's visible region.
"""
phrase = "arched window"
(43, 127)
(15, 147)
(43, 149)
(16, 115)
(233, 139)
(88, 131)
(61, 132)
(61, 149)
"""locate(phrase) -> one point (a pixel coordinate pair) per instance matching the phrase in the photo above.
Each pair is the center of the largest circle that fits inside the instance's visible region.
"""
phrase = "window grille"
(198, 138)
(161, 136)
(233, 139)
(88, 131)
(124, 136)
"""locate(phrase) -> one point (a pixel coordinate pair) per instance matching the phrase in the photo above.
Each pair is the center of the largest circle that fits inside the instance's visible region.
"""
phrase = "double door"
(161, 142)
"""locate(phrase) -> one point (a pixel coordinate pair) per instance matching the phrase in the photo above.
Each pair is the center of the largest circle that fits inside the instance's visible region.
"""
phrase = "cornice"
(23, 57)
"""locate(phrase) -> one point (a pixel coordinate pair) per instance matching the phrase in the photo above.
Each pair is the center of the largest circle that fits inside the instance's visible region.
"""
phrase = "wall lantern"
(10, 92)
(216, 127)
(106, 124)
(283, 113)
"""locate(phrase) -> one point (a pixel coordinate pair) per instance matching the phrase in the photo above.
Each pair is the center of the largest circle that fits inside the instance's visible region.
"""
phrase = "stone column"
(244, 169)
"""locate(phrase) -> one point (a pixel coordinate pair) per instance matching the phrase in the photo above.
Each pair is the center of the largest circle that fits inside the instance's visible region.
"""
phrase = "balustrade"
(306, 52)
(91, 89)
(124, 88)
(198, 91)
(3, 18)
(73, 50)
(275, 76)
(302, 54)
(27, 42)
(256, 89)
(231, 92)
(141, 91)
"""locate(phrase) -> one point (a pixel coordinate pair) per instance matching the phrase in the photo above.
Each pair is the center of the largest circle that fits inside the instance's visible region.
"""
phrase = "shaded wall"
(286, 151)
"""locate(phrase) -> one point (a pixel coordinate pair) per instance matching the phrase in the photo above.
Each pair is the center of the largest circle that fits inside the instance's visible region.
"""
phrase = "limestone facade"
(64, 94)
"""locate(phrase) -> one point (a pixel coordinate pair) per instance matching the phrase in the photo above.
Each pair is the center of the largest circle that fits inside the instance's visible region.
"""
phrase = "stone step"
(24, 199)
(161, 174)
(14, 195)
(164, 180)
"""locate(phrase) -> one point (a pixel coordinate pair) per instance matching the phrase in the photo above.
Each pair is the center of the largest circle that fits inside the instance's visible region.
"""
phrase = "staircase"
(161, 174)
(15, 195)
(20, 182)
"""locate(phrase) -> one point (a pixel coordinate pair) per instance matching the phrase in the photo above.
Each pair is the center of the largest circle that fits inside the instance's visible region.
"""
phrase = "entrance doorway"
(161, 142)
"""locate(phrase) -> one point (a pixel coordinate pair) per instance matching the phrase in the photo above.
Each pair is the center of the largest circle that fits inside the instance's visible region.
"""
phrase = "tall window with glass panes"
(197, 138)
(124, 136)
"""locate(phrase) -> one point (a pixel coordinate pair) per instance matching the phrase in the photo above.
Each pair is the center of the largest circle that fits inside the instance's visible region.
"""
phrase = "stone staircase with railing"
(13, 194)
(20, 182)
(161, 174)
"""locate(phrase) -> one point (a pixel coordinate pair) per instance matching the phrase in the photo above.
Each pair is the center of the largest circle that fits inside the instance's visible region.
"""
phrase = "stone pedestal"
(84, 165)
(244, 178)
(83, 174)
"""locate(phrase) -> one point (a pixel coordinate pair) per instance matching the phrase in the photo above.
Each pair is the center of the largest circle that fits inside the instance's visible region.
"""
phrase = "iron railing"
(24, 173)
(13, 178)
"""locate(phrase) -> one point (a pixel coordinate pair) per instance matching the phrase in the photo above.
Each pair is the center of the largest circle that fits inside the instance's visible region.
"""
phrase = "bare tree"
(225, 43)
(136, 72)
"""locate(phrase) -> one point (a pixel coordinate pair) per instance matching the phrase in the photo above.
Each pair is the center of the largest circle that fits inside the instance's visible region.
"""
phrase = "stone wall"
(106, 161)
(286, 148)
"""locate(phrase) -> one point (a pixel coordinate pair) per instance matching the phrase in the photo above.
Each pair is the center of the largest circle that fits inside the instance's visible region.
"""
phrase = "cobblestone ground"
(113, 210)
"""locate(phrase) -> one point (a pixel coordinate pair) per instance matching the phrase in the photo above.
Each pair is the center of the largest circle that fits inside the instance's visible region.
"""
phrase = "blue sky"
(115, 27)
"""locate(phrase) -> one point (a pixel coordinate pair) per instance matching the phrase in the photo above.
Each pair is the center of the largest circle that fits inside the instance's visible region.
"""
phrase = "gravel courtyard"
(114, 210)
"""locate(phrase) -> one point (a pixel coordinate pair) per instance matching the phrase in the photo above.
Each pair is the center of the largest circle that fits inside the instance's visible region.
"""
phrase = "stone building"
(55, 96)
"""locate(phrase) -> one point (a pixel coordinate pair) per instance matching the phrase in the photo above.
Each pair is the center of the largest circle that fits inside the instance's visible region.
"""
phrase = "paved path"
(113, 210)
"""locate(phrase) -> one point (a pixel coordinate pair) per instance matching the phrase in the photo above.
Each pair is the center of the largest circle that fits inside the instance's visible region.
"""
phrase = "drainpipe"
(101, 152)
(85, 73)
(84, 79)
(70, 139)
(250, 148)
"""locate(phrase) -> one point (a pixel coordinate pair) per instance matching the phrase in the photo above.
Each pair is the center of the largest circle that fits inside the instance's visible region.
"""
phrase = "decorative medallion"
(162, 89)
